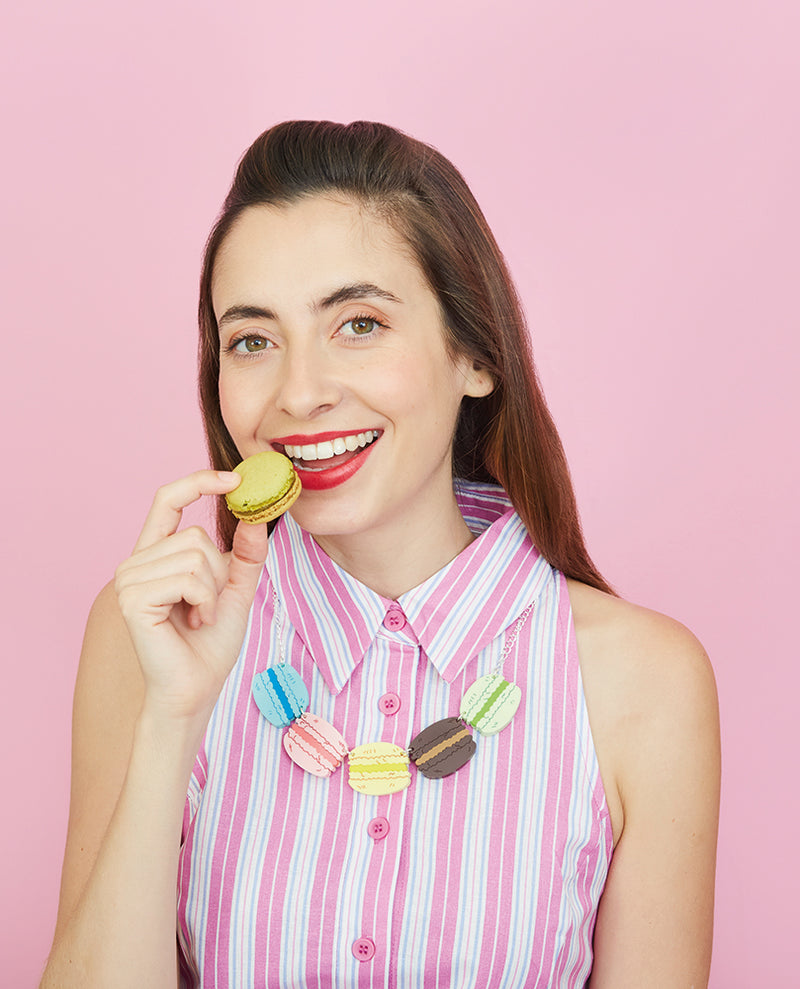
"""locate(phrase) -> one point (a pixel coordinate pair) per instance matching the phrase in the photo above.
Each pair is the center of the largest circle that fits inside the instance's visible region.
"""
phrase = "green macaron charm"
(490, 703)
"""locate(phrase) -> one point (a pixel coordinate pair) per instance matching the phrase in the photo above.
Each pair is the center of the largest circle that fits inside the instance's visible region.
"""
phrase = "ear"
(477, 380)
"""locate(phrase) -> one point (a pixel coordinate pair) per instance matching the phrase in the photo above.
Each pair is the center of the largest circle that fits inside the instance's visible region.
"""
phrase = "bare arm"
(653, 708)
(146, 686)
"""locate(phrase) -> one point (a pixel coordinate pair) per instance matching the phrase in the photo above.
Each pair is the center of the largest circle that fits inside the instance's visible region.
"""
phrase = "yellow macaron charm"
(378, 768)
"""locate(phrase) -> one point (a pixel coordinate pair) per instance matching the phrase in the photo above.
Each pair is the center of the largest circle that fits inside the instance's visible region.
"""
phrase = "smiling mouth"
(316, 457)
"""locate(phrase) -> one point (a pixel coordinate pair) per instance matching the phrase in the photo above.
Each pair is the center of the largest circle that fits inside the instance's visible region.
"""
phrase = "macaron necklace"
(382, 767)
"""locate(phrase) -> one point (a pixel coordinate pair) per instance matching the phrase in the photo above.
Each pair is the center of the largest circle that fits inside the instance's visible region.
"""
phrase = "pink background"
(639, 163)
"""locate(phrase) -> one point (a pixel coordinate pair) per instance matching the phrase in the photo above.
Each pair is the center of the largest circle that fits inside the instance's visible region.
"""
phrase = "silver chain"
(513, 637)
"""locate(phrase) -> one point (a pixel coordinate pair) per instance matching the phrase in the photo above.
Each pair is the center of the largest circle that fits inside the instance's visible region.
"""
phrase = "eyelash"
(234, 343)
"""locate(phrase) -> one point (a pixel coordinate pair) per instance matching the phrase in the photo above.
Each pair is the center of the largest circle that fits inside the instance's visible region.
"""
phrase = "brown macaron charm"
(442, 748)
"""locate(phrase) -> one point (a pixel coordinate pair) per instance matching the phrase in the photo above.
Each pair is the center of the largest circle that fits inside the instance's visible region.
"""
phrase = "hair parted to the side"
(508, 437)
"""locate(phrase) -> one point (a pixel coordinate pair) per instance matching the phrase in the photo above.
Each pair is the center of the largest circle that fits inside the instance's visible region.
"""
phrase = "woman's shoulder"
(649, 687)
(647, 650)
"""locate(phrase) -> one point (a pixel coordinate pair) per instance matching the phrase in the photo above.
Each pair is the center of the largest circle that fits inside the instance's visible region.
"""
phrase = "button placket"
(388, 710)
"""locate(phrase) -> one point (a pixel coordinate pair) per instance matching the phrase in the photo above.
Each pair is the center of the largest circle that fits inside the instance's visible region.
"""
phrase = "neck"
(391, 563)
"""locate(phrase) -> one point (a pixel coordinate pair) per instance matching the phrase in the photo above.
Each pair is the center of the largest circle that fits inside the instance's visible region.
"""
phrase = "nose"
(307, 385)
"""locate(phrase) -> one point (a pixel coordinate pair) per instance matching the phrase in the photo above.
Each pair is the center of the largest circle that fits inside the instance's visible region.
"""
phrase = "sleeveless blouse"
(490, 877)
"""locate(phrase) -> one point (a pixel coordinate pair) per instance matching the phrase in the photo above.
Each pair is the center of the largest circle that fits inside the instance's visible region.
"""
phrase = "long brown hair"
(508, 437)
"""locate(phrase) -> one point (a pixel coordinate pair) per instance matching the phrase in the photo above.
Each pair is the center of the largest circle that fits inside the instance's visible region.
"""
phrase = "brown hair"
(508, 437)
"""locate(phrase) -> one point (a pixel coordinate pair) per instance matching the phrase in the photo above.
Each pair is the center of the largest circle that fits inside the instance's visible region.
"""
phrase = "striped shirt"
(490, 877)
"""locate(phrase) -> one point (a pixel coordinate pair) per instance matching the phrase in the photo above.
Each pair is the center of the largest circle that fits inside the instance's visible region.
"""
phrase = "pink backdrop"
(639, 164)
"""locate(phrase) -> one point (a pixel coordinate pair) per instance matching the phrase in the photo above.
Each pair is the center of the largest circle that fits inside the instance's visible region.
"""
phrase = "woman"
(357, 315)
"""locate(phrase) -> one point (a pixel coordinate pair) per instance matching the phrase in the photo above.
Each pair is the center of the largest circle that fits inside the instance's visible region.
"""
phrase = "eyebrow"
(234, 313)
(358, 290)
(347, 293)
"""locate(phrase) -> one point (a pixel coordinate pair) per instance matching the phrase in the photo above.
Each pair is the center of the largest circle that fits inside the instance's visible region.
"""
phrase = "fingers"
(246, 563)
(196, 550)
(153, 600)
(250, 544)
(159, 572)
(165, 513)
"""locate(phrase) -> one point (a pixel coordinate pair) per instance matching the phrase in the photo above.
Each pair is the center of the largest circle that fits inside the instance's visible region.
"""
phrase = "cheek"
(226, 406)
(424, 389)
(237, 405)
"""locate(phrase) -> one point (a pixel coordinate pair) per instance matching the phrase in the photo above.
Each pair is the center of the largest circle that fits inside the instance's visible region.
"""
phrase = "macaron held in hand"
(269, 487)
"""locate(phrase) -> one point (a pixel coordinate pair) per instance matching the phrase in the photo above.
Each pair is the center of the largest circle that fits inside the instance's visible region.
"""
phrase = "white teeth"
(330, 448)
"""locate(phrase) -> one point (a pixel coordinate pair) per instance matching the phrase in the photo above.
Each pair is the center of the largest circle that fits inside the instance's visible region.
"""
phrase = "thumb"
(247, 558)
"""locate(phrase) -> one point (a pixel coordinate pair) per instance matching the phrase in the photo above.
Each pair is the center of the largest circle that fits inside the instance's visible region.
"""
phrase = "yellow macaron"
(269, 486)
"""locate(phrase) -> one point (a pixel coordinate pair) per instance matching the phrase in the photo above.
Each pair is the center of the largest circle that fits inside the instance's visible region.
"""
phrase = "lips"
(327, 460)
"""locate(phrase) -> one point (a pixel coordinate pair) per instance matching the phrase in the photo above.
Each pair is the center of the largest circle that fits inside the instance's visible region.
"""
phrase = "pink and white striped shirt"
(490, 877)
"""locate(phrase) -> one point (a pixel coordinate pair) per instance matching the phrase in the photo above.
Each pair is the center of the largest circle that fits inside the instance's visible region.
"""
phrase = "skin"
(161, 640)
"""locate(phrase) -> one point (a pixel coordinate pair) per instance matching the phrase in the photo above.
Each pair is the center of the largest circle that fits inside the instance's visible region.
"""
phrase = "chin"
(327, 521)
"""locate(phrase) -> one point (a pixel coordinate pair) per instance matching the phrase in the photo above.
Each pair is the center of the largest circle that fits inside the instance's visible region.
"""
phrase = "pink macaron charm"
(314, 745)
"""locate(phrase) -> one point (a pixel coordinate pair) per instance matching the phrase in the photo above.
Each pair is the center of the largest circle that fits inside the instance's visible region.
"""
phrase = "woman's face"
(332, 350)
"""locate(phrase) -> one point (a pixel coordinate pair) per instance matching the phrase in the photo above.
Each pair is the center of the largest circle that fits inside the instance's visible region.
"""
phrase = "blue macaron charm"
(280, 694)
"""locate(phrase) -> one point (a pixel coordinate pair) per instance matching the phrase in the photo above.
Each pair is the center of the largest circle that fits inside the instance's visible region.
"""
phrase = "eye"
(249, 345)
(360, 326)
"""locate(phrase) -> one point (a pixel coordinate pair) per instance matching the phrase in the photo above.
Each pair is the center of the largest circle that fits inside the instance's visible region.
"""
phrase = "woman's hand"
(186, 604)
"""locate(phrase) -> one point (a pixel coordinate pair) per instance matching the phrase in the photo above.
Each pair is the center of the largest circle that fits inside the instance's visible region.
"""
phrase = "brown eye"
(250, 345)
(361, 326)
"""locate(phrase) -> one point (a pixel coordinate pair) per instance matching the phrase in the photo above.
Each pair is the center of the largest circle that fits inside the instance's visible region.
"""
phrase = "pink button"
(394, 619)
(363, 949)
(378, 828)
(389, 704)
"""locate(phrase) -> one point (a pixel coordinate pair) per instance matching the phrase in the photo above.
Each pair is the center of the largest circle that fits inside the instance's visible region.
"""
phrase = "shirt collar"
(454, 614)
